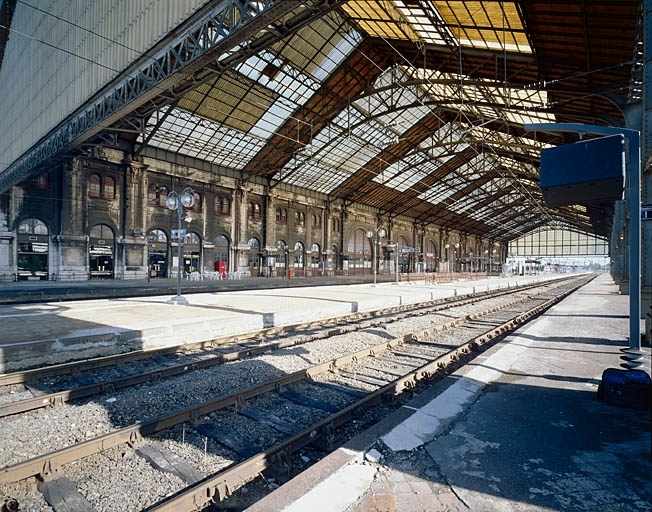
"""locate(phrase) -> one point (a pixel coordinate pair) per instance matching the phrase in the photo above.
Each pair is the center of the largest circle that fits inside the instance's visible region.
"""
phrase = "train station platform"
(54, 332)
(517, 429)
(22, 292)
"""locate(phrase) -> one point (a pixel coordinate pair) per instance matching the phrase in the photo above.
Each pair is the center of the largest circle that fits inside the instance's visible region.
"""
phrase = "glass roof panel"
(484, 24)
(487, 24)
(229, 119)
(379, 18)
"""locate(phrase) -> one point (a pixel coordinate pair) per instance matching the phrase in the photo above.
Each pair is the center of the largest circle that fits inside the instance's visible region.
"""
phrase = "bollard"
(474, 290)
(455, 292)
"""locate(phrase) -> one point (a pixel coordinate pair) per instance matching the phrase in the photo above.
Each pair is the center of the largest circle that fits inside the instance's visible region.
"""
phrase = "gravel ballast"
(103, 477)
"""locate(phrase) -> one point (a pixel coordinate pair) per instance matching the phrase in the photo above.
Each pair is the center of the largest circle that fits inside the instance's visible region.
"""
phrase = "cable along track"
(258, 425)
(56, 385)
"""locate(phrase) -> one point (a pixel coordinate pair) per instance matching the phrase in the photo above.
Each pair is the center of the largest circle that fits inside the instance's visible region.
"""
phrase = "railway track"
(56, 385)
(250, 429)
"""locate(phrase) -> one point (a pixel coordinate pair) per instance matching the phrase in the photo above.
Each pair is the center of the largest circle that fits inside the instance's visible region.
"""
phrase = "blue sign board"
(586, 172)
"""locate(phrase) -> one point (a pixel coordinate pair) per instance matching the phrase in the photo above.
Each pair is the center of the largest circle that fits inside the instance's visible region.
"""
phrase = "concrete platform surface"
(20, 292)
(53, 332)
(517, 430)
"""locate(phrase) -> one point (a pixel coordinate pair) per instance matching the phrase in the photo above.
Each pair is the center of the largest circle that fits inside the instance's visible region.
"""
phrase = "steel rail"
(48, 464)
(23, 376)
(61, 397)
(58, 398)
(222, 484)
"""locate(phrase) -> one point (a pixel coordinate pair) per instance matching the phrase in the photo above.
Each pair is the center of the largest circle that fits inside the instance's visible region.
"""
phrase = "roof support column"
(71, 245)
(326, 251)
(241, 248)
(133, 242)
(269, 222)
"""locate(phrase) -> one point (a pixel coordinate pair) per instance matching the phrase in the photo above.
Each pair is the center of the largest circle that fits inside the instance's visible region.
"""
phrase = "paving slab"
(55, 332)
(517, 430)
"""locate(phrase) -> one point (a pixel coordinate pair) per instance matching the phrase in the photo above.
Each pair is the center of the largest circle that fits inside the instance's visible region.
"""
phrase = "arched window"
(222, 245)
(300, 218)
(32, 227)
(32, 251)
(108, 188)
(299, 255)
(254, 256)
(157, 236)
(336, 225)
(101, 232)
(192, 238)
(315, 256)
(94, 186)
(254, 245)
(281, 216)
(359, 250)
(316, 220)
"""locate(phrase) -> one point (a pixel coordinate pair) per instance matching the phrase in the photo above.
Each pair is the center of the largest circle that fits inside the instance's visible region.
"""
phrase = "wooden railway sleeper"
(135, 438)
(49, 470)
(257, 461)
(55, 401)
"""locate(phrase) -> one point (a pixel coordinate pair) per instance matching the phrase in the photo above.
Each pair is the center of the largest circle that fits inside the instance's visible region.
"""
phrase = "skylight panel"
(484, 24)
(379, 18)
(416, 16)
(195, 136)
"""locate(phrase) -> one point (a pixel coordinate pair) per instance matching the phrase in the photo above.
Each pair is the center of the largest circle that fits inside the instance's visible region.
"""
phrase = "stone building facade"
(105, 216)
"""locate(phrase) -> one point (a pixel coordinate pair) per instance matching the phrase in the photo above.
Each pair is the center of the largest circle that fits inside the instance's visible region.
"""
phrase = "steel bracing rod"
(219, 28)
(154, 129)
(409, 149)
(491, 197)
(468, 188)
(495, 213)
(469, 82)
(461, 112)
(392, 109)
(463, 158)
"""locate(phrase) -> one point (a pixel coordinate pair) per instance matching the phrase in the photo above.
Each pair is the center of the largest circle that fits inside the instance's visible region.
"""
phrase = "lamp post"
(375, 238)
(180, 202)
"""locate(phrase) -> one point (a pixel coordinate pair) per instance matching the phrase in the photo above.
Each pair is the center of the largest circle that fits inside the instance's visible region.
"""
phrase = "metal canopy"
(414, 107)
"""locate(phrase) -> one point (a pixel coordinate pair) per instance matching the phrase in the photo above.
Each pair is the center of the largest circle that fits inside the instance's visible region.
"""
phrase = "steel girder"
(219, 28)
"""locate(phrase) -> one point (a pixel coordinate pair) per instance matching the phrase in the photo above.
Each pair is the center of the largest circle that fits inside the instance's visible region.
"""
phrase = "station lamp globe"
(370, 234)
(187, 198)
(172, 201)
(382, 233)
